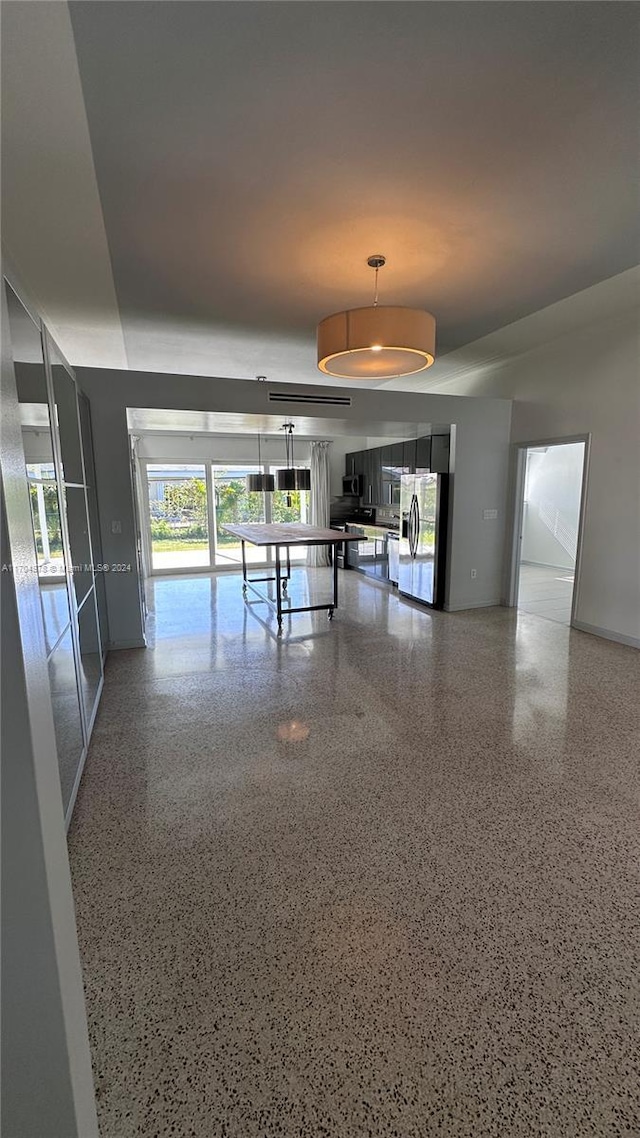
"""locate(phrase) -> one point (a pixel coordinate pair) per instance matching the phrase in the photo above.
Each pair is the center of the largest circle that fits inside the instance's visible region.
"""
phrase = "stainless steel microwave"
(352, 484)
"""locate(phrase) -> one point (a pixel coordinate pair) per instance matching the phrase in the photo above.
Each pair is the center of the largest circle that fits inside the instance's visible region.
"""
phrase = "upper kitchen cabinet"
(409, 456)
(392, 470)
(440, 447)
(367, 478)
(423, 454)
(382, 468)
(374, 493)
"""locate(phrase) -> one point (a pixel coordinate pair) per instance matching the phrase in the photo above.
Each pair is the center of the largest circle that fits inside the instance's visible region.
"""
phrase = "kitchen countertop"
(374, 525)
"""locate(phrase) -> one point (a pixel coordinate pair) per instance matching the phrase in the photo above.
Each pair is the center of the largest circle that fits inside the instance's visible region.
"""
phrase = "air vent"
(311, 400)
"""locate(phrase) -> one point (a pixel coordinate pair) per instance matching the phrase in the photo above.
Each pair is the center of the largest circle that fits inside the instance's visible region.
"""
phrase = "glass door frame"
(90, 596)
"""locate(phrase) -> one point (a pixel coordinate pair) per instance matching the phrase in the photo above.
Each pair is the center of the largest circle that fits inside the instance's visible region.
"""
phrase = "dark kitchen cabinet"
(369, 555)
(381, 468)
(409, 456)
(373, 476)
(354, 462)
(376, 474)
(423, 454)
(392, 471)
(440, 445)
(397, 455)
(386, 463)
(386, 467)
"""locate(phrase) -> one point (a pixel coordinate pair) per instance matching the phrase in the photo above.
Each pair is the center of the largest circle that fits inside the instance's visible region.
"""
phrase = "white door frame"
(519, 464)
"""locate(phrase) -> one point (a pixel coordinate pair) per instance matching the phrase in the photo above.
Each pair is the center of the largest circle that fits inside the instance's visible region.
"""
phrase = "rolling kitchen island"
(282, 536)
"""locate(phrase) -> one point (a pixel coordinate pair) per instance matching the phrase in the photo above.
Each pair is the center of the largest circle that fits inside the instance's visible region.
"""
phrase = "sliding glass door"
(189, 505)
(178, 516)
(233, 504)
(291, 506)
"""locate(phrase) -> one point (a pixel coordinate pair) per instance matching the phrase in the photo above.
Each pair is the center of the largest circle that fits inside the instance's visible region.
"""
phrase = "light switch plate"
(488, 515)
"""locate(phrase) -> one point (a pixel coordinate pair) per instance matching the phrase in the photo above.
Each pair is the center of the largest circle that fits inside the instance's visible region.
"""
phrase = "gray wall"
(480, 451)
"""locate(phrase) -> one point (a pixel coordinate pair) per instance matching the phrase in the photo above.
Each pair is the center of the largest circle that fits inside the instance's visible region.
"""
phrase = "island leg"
(334, 552)
(278, 591)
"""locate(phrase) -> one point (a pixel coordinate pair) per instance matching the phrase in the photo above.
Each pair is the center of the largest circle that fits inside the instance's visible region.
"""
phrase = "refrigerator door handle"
(413, 541)
(413, 526)
(410, 528)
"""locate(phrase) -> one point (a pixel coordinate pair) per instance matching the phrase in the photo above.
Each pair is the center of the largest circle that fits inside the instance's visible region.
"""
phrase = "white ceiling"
(190, 187)
(145, 420)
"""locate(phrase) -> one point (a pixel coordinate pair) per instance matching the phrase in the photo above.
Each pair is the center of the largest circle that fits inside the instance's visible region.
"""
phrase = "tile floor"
(376, 878)
(546, 592)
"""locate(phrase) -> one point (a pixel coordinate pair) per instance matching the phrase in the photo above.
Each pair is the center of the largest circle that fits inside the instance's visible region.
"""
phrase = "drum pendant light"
(289, 478)
(378, 342)
(260, 483)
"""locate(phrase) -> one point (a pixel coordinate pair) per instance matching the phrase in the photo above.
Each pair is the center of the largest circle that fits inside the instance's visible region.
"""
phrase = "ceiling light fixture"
(260, 483)
(378, 342)
(291, 479)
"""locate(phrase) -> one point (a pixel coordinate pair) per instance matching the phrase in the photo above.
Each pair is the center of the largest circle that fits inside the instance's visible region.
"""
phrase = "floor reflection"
(378, 872)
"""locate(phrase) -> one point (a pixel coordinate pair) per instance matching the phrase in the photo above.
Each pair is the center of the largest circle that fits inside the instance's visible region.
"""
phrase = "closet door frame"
(87, 719)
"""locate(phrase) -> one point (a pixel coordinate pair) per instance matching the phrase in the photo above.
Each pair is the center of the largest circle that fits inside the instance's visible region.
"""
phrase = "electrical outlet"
(474, 574)
(116, 527)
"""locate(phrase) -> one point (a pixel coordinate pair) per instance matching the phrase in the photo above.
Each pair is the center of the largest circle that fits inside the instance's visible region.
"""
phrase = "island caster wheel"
(329, 614)
(244, 590)
(284, 586)
(279, 628)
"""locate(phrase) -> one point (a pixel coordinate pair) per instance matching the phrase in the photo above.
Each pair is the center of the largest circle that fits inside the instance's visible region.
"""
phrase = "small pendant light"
(289, 478)
(260, 483)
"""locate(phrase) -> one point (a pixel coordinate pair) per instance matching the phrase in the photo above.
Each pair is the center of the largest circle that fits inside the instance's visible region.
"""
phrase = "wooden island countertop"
(288, 533)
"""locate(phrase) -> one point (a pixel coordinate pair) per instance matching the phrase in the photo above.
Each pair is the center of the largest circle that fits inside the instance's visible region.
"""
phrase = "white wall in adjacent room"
(551, 513)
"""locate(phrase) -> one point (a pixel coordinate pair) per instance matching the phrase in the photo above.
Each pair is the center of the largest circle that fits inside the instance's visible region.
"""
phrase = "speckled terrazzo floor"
(379, 878)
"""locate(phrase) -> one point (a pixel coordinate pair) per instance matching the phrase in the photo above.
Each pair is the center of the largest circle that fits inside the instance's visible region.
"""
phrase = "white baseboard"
(607, 634)
(462, 605)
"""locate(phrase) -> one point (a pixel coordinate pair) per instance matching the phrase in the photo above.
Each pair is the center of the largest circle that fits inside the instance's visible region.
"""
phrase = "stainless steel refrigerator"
(424, 502)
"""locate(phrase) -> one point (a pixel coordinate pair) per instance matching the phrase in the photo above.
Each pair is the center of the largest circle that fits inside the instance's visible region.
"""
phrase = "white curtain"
(319, 500)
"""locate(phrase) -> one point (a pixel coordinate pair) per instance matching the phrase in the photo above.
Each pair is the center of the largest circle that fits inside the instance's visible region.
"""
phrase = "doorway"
(550, 492)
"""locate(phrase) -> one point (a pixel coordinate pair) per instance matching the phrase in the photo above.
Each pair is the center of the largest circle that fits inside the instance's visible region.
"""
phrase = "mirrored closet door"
(58, 455)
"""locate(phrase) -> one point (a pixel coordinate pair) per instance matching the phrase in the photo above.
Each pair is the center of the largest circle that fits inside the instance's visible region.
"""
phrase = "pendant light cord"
(375, 289)
(288, 444)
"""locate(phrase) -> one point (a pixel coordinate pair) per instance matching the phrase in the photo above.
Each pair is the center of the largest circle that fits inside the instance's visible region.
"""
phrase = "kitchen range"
(403, 541)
